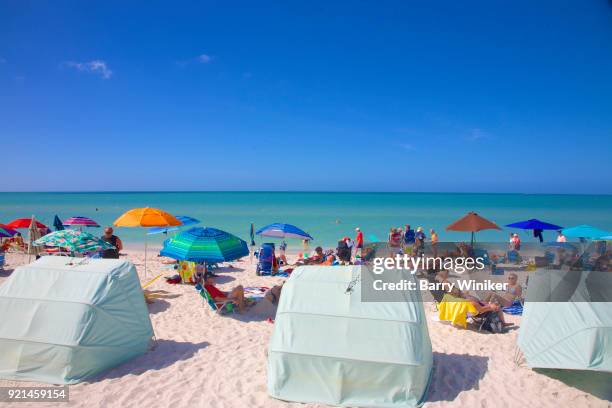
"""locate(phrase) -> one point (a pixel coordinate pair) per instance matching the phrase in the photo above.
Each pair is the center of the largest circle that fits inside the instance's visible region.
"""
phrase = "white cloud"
(94, 67)
(406, 146)
(204, 58)
(477, 134)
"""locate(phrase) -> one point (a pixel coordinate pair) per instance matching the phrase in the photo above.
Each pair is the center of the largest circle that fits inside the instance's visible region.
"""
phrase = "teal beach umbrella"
(73, 240)
(585, 231)
(204, 245)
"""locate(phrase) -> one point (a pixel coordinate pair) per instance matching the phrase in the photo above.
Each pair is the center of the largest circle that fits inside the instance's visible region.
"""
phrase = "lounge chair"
(227, 306)
(482, 253)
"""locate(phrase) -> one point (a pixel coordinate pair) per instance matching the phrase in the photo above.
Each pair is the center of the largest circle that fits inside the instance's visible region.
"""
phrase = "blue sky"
(360, 96)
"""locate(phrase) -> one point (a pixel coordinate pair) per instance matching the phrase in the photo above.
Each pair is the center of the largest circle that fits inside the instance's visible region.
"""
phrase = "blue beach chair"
(266, 260)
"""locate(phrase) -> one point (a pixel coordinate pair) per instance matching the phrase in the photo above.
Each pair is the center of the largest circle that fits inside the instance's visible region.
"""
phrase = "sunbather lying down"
(236, 295)
(481, 306)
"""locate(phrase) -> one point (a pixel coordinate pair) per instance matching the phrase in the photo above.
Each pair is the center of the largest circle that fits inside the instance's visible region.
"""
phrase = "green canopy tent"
(330, 347)
(567, 320)
(66, 319)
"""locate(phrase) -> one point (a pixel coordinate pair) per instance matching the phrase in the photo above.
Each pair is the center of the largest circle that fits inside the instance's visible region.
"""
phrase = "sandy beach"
(203, 359)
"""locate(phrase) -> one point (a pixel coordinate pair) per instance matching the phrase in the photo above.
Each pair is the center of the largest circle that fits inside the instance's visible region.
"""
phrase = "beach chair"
(482, 253)
(513, 257)
(266, 260)
(438, 295)
(227, 306)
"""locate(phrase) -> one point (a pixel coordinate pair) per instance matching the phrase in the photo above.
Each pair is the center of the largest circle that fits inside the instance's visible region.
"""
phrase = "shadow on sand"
(596, 383)
(4, 273)
(454, 373)
(164, 354)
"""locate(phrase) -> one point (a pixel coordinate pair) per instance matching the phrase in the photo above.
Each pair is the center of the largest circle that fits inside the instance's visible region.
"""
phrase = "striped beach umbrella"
(73, 240)
(81, 222)
(6, 232)
(185, 219)
(205, 245)
(279, 230)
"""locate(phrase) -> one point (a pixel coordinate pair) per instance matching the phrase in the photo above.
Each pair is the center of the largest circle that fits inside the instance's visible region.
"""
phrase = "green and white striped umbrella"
(74, 241)
(205, 245)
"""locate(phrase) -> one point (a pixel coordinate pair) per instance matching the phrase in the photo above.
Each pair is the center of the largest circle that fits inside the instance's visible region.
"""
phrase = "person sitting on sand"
(236, 295)
(315, 258)
(114, 241)
(513, 292)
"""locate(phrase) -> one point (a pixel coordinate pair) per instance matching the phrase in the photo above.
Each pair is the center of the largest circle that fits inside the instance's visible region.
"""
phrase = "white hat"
(357, 229)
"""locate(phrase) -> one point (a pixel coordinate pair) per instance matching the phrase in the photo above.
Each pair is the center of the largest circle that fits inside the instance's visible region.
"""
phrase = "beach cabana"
(567, 320)
(473, 223)
(329, 347)
(65, 321)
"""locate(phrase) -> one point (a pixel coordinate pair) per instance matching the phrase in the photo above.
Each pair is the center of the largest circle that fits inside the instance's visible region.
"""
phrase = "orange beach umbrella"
(472, 222)
(146, 217)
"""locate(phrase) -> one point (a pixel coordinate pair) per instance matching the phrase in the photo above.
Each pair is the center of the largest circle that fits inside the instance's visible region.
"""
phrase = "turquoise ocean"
(327, 216)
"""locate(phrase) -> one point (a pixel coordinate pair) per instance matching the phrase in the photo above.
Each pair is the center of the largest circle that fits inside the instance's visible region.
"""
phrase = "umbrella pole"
(145, 255)
(472, 239)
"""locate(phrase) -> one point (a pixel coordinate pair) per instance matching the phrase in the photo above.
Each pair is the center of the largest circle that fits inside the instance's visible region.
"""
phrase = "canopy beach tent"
(66, 321)
(329, 347)
(567, 320)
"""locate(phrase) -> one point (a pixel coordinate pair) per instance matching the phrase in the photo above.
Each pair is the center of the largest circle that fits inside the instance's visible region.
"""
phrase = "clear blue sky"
(451, 96)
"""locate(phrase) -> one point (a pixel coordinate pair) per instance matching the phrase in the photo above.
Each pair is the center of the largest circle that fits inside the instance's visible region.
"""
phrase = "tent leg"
(145, 256)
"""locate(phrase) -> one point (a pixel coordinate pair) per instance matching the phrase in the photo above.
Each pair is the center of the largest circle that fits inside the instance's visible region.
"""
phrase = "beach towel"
(186, 269)
(455, 310)
(255, 292)
(516, 308)
(281, 274)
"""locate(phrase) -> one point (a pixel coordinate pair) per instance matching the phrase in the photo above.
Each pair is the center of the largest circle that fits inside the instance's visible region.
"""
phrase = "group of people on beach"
(415, 239)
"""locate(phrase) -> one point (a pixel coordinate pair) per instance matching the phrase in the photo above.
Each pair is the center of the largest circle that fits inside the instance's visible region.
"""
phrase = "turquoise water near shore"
(326, 216)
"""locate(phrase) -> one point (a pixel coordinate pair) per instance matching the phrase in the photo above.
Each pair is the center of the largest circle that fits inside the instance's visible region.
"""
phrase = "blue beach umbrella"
(534, 224)
(585, 231)
(204, 245)
(58, 224)
(186, 220)
(278, 230)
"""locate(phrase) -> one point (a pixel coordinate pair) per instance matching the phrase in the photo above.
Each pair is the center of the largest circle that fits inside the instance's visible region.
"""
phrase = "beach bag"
(493, 323)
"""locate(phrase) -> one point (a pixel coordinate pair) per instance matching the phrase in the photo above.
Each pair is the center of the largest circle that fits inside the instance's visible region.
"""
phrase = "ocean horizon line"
(297, 192)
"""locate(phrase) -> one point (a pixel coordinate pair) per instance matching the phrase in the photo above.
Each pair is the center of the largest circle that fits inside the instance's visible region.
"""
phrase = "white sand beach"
(203, 359)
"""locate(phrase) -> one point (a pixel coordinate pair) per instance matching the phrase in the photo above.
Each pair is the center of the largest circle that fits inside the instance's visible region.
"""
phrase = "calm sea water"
(326, 216)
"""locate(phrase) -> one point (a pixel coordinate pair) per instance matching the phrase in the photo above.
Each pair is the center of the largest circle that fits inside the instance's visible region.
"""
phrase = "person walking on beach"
(561, 237)
(419, 242)
(114, 241)
(358, 242)
(408, 236)
(434, 242)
